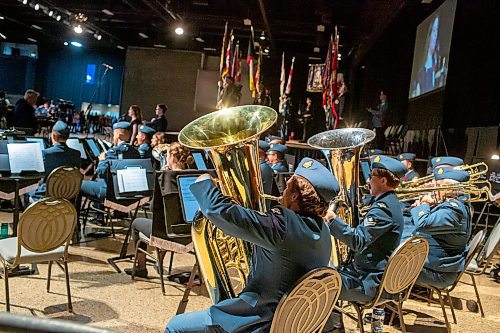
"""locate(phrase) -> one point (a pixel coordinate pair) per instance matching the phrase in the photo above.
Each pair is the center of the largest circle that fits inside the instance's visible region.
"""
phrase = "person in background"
(24, 113)
(292, 233)
(160, 123)
(276, 158)
(178, 158)
(379, 120)
(342, 100)
(134, 112)
(408, 159)
(144, 141)
(43, 110)
(158, 139)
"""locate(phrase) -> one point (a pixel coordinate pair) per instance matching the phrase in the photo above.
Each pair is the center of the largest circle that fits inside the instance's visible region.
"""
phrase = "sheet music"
(25, 157)
(38, 140)
(132, 180)
(76, 144)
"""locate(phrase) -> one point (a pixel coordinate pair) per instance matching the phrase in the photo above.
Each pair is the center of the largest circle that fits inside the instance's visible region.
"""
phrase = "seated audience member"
(178, 157)
(121, 149)
(445, 221)
(24, 113)
(376, 237)
(158, 139)
(292, 233)
(276, 158)
(160, 123)
(144, 141)
(57, 155)
(408, 159)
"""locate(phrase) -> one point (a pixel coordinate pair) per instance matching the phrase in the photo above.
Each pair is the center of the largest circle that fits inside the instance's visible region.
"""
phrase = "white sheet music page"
(76, 144)
(25, 157)
(132, 180)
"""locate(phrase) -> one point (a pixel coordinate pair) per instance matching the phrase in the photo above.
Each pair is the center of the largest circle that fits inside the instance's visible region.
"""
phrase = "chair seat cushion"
(8, 252)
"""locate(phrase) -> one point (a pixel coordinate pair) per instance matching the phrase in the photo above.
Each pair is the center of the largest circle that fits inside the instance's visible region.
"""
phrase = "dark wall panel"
(16, 75)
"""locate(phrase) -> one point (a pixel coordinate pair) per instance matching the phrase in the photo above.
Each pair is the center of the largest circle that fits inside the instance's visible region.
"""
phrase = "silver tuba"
(231, 137)
(342, 148)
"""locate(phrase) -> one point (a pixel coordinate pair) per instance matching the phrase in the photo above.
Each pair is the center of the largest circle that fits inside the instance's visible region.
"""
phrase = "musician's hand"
(206, 176)
(102, 156)
(330, 215)
(428, 200)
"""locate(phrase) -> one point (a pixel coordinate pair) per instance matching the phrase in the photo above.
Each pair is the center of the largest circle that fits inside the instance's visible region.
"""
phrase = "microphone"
(108, 66)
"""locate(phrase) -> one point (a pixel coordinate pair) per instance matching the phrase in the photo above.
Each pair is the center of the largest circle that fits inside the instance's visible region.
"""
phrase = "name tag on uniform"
(370, 222)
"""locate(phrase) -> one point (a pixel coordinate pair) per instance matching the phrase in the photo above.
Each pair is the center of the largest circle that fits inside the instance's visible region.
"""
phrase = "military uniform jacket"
(281, 166)
(124, 149)
(286, 246)
(145, 150)
(447, 227)
(411, 175)
(58, 155)
(373, 240)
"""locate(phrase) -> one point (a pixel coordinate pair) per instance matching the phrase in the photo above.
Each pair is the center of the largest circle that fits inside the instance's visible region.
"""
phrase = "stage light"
(51, 13)
(495, 157)
(58, 18)
(25, 2)
(78, 29)
(161, 46)
(199, 39)
(97, 36)
(143, 35)
(266, 50)
(108, 12)
(76, 44)
(32, 39)
(37, 7)
(263, 36)
(66, 43)
(37, 27)
(1, 17)
(120, 47)
(3, 36)
(179, 31)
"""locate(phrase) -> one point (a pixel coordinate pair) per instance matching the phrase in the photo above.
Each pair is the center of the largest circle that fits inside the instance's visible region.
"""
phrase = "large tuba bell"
(231, 137)
(342, 148)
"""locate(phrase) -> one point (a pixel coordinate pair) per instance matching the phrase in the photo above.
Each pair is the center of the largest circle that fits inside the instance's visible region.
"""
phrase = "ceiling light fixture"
(51, 13)
(120, 47)
(1, 17)
(143, 35)
(108, 12)
(58, 18)
(37, 7)
(32, 39)
(179, 31)
(37, 27)
(161, 46)
(66, 43)
(78, 29)
(263, 36)
(76, 44)
(25, 2)
(199, 39)
(3, 36)
(97, 36)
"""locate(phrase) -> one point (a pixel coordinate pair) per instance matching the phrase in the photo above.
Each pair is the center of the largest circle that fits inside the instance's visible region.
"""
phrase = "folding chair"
(64, 182)
(307, 307)
(401, 272)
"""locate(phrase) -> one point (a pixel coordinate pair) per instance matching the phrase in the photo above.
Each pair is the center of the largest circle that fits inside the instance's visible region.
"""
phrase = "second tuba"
(342, 148)
(230, 136)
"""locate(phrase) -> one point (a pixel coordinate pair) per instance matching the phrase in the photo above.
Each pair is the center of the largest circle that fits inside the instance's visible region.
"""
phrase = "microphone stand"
(97, 88)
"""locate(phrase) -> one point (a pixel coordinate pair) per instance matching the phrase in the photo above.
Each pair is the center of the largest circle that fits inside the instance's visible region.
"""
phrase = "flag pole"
(221, 64)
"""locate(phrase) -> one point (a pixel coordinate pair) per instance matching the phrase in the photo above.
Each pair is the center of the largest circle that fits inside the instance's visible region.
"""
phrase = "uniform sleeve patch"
(421, 213)
(277, 211)
(370, 222)
(453, 204)
(381, 205)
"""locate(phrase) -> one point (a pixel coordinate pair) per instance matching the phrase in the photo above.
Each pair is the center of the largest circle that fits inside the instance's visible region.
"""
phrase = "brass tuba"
(231, 138)
(342, 148)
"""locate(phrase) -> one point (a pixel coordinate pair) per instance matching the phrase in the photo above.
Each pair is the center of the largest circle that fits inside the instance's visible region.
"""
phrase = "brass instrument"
(342, 148)
(160, 154)
(231, 135)
(476, 171)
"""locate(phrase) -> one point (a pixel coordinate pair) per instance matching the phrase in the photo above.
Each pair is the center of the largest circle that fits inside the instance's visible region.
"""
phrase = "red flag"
(257, 73)
(250, 60)
(228, 56)
(290, 74)
(330, 81)
(238, 68)
(282, 77)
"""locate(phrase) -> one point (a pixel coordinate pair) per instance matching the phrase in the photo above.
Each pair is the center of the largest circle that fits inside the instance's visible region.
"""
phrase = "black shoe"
(142, 273)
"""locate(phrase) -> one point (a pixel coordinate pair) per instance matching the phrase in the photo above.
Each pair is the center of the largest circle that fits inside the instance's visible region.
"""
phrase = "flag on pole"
(222, 52)
(228, 56)
(238, 67)
(235, 59)
(330, 82)
(282, 81)
(289, 83)
(258, 74)
(250, 62)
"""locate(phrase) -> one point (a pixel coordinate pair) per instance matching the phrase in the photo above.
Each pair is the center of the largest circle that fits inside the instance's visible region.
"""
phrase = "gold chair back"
(64, 182)
(46, 225)
(307, 307)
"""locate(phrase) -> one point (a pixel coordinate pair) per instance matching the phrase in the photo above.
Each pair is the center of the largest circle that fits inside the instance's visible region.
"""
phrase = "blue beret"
(450, 160)
(323, 181)
(263, 145)
(121, 125)
(273, 137)
(60, 128)
(277, 147)
(450, 173)
(389, 163)
(371, 152)
(146, 130)
(407, 157)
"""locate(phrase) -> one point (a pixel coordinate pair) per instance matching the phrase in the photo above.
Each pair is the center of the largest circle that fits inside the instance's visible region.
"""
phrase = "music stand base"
(24, 270)
(112, 262)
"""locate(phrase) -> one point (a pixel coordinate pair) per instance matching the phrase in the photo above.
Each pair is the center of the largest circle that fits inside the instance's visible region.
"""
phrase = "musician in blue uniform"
(289, 241)
(408, 159)
(121, 150)
(144, 136)
(265, 171)
(445, 221)
(446, 162)
(57, 155)
(276, 158)
(377, 235)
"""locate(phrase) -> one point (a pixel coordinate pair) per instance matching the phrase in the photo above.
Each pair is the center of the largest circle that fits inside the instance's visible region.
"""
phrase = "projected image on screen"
(432, 49)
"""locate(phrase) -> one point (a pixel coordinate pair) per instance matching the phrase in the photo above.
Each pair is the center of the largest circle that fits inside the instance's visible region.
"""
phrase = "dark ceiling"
(288, 25)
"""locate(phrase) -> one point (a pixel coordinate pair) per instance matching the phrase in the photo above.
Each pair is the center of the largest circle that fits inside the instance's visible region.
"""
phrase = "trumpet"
(476, 190)
(476, 171)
